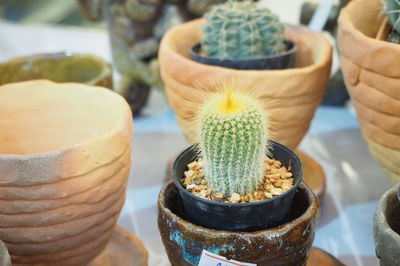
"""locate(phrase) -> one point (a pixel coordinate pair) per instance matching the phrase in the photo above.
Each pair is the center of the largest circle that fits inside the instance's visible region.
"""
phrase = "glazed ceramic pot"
(64, 158)
(288, 244)
(387, 228)
(58, 67)
(250, 216)
(295, 93)
(371, 69)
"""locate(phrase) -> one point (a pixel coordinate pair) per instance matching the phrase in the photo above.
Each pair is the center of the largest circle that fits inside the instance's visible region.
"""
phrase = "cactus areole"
(233, 141)
(392, 8)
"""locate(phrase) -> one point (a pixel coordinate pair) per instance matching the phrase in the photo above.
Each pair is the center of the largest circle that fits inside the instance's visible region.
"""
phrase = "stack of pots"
(371, 69)
(61, 193)
(292, 95)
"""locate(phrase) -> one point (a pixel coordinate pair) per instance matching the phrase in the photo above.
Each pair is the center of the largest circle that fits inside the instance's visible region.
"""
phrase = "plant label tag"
(211, 259)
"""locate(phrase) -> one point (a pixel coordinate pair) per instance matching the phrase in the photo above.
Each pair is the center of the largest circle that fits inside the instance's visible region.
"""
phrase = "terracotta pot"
(288, 244)
(64, 160)
(371, 69)
(387, 228)
(58, 67)
(295, 93)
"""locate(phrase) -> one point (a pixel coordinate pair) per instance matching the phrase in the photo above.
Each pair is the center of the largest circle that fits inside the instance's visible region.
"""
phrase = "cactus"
(392, 9)
(233, 142)
(241, 30)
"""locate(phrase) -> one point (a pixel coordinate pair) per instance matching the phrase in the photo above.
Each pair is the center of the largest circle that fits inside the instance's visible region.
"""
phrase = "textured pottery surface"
(387, 228)
(294, 93)
(371, 69)
(58, 67)
(64, 160)
(288, 244)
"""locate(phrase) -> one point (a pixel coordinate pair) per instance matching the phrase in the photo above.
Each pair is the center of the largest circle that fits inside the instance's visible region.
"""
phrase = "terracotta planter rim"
(168, 37)
(119, 126)
(380, 215)
(106, 69)
(312, 208)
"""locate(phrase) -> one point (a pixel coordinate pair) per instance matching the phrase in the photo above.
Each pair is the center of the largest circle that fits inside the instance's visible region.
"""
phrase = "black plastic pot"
(283, 61)
(239, 216)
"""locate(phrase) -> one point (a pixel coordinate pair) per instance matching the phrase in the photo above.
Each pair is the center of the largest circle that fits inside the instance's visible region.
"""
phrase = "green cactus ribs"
(242, 30)
(233, 142)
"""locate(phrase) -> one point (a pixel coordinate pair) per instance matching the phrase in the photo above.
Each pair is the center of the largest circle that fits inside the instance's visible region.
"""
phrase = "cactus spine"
(392, 9)
(233, 142)
(241, 30)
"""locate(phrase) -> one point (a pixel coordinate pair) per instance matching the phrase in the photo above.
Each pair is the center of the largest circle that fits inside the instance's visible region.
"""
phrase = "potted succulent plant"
(242, 35)
(387, 228)
(235, 180)
(295, 92)
(371, 69)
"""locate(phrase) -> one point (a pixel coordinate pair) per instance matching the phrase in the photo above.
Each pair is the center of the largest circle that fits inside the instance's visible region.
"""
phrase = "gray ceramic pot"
(387, 228)
(288, 244)
(4, 256)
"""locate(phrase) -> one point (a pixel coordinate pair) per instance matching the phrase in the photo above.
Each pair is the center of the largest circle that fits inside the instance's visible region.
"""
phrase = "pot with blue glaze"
(287, 244)
(387, 228)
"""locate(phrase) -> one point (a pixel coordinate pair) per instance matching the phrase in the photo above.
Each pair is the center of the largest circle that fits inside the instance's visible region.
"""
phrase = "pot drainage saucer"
(319, 257)
(123, 249)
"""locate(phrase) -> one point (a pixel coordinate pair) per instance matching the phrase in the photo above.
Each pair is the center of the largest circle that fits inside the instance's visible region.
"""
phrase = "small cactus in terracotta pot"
(241, 35)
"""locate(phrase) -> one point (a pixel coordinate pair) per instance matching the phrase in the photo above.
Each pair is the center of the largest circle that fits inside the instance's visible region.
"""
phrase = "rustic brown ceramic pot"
(387, 228)
(288, 244)
(292, 95)
(371, 69)
(64, 159)
(58, 67)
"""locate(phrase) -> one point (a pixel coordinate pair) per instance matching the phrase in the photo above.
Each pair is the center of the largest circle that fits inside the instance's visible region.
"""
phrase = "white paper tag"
(211, 259)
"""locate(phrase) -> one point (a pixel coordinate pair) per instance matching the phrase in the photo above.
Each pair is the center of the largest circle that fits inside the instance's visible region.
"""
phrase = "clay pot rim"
(119, 127)
(382, 207)
(323, 60)
(106, 69)
(312, 210)
(226, 204)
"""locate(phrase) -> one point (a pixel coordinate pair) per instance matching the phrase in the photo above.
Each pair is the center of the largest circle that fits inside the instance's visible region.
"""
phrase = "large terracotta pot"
(371, 70)
(292, 95)
(64, 159)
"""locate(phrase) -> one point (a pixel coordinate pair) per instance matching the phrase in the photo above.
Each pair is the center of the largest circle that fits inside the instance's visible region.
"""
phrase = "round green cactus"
(393, 12)
(233, 142)
(242, 30)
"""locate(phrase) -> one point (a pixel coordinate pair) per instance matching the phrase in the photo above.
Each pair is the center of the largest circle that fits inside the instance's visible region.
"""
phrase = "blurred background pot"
(61, 194)
(135, 29)
(295, 93)
(371, 69)
(288, 244)
(58, 67)
(387, 228)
